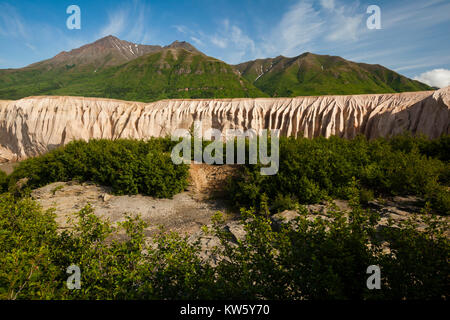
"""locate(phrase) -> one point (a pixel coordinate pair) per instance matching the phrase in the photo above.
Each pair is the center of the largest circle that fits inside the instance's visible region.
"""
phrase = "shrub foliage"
(128, 166)
(307, 259)
(312, 170)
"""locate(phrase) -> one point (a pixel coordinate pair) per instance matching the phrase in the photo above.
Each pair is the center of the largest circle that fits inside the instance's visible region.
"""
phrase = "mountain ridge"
(284, 76)
(114, 68)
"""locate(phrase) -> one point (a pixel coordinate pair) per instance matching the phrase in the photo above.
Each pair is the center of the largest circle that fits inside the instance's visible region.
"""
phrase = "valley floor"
(188, 211)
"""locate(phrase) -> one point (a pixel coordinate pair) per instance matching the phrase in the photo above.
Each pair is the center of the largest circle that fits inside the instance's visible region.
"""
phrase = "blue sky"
(414, 38)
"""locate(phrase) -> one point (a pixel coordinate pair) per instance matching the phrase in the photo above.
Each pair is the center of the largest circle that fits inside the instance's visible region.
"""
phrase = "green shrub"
(26, 237)
(439, 198)
(365, 195)
(160, 177)
(128, 166)
(3, 181)
(312, 170)
(283, 202)
(306, 259)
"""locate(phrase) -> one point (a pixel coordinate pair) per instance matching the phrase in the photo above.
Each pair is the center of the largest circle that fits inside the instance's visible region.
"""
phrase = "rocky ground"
(188, 211)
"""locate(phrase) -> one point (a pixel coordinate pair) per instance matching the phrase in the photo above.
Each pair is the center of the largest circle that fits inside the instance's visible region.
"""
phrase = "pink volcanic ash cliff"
(34, 125)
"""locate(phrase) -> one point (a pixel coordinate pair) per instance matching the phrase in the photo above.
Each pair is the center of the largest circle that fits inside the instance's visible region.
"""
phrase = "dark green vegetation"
(313, 74)
(312, 170)
(323, 259)
(320, 259)
(128, 166)
(112, 68)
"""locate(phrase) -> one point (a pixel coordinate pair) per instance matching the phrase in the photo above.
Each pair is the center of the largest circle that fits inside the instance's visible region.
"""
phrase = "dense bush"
(128, 166)
(312, 170)
(3, 181)
(435, 148)
(319, 259)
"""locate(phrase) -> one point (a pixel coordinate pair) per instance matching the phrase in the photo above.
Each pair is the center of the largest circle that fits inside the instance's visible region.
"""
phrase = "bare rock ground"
(186, 212)
(396, 209)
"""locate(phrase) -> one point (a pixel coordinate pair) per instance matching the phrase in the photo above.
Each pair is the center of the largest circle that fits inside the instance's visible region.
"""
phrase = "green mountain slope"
(312, 74)
(114, 68)
(169, 73)
(102, 69)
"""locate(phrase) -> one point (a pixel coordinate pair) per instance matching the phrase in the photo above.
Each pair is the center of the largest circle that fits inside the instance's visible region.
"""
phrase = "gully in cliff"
(213, 153)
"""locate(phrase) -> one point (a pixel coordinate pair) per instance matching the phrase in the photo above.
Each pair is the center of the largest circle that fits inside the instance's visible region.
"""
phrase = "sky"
(413, 38)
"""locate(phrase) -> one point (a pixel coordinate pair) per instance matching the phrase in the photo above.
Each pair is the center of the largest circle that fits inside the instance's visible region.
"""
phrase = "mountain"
(114, 68)
(182, 45)
(313, 74)
(172, 72)
(103, 53)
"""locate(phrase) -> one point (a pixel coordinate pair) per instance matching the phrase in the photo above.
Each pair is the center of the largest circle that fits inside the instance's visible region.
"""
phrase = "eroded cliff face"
(34, 125)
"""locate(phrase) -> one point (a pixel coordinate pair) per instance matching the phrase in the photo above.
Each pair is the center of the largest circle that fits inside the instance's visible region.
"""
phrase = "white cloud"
(181, 28)
(368, 55)
(31, 47)
(240, 39)
(436, 78)
(220, 42)
(303, 27)
(232, 37)
(327, 4)
(129, 22)
(116, 23)
(420, 13)
(197, 41)
(11, 23)
(346, 25)
(39, 38)
(426, 61)
(298, 28)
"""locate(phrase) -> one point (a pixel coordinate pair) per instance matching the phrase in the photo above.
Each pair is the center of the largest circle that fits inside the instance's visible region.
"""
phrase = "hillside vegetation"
(313, 74)
(169, 73)
(113, 68)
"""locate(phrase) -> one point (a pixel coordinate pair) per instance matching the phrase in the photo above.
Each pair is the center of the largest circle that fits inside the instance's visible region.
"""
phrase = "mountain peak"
(183, 45)
(104, 52)
(107, 39)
